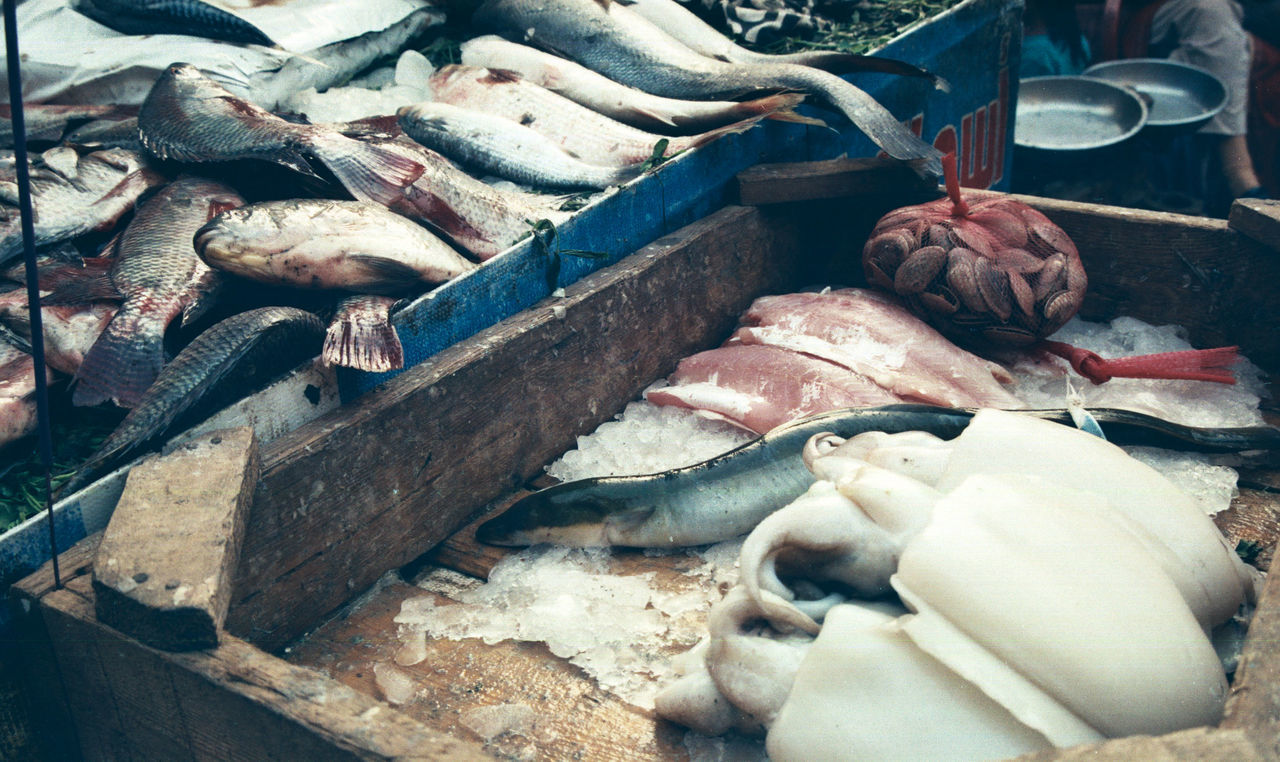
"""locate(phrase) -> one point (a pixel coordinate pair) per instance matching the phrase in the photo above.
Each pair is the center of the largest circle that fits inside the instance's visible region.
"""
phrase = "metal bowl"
(1183, 97)
(1063, 114)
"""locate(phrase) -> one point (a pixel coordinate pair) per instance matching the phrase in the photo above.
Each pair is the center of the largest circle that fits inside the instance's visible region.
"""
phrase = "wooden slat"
(1171, 268)
(130, 701)
(842, 178)
(352, 494)
(1257, 218)
(1254, 702)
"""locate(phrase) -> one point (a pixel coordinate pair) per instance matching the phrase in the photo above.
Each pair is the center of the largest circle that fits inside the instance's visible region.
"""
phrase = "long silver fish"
(321, 243)
(190, 17)
(728, 495)
(159, 276)
(617, 101)
(360, 335)
(584, 134)
(625, 47)
(221, 365)
(73, 193)
(689, 28)
(499, 146)
(189, 117)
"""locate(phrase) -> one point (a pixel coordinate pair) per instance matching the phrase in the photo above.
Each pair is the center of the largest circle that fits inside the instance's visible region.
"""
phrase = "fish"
(582, 133)
(758, 387)
(70, 330)
(689, 28)
(49, 122)
(189, 17)
(17, 393)
(231, 358)
(500, 146)
(617, 101)
(92, 195)
(158, 276)
(726, 496)
(107, 133)
(475, 216)
(322, 243)
(361, 336)
(616, 42)
(188, 117)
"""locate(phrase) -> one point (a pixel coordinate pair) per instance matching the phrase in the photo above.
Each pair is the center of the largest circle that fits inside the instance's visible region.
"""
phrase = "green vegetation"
(871, 23)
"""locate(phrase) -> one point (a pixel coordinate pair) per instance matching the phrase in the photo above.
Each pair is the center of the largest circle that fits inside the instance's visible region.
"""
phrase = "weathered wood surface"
(842, 178)
(130, 701)
(163, 569)
(1170, 268)
(1254, 702)
(1257, 218)
(372, 486)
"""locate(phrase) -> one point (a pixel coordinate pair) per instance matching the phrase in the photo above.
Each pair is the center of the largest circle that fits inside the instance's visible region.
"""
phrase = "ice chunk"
(489, 722)
(395, 685)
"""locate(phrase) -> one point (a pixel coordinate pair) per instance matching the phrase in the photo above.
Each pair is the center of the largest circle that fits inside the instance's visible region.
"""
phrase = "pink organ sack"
(981, 264)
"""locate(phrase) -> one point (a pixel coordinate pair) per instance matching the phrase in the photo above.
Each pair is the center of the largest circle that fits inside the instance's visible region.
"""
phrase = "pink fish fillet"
(759, 387)
(876, 337)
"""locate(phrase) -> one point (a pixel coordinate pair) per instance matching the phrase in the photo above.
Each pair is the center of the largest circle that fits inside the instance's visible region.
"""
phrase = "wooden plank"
(1197, 743)
(1171, 268)
(1257, 218)
(338, 504)
(842, 178)
(1254, 701)
(163, 569)
(233, 702)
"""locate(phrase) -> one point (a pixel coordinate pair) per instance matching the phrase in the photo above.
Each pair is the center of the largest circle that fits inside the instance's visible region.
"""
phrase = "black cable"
(29, 253)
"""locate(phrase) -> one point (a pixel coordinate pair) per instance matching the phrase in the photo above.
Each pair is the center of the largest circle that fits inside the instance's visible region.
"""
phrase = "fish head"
(574, 513)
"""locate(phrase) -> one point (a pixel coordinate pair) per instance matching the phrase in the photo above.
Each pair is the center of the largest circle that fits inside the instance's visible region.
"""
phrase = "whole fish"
(190, 17)
(499, 146)
(321, 243)
(625, 104)
(361, 336)
(189, 117)
(476, 216)
(623, 46)
(221, 365)
(728, 495)
(591, 137)
(687, 27)
(91, 195)
(158, 275)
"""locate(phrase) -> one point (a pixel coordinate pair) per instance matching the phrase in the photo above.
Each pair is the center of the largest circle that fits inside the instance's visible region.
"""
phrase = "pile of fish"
(172, 211)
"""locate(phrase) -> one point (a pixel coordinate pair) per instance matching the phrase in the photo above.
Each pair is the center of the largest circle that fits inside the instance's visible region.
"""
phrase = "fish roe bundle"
(988, 265)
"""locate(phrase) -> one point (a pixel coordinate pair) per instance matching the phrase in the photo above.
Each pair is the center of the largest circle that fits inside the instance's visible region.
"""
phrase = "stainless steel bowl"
(1183, 97)
(1063, 114)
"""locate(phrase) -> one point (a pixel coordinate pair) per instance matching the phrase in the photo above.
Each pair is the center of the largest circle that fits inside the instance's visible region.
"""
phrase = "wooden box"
(405, 468)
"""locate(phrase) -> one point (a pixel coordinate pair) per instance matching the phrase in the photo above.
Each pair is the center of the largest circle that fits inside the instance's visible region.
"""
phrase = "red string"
(1191, 364)
(958, 207)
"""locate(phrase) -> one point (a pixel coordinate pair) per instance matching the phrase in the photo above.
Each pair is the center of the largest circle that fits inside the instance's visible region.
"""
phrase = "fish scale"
(159, 277)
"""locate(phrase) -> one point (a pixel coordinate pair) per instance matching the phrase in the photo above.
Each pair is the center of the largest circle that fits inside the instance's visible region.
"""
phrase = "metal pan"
(1068, 114)
(1183, 97)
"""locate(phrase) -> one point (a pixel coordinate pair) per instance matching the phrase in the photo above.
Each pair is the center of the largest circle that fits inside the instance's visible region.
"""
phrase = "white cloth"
(1208, 34)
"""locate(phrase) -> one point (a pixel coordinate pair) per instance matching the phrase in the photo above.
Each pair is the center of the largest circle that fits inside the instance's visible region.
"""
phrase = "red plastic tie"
(958, 207)
(1191, 364)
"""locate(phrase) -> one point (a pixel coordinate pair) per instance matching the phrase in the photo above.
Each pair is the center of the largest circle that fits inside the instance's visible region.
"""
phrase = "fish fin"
(644, 115)
(728, 129)
(74, 285)
(206, 290)
(500, 77)
(628, 520)
(396, 275)
(123, 362)
(361, 342)
(838, 62)
(368, 172)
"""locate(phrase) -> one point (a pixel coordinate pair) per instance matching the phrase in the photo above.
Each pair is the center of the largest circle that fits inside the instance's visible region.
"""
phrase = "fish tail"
(123, 362)
(364, 340)
(729, 129)
(368, 172)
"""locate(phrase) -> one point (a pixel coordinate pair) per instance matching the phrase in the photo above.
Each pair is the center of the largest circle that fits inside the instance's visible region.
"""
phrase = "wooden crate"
(407, 467)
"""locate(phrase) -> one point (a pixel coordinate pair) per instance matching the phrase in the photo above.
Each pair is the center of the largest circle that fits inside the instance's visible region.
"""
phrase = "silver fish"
(625, 47)
(92, 194)
(218, 367)
(189, 117)
(189, 17)
(49, 121)
(70, 330)
(584, 134)
(728, 495)
(687, 27)
(17, 393)
(321, 243)
(361, 336)
(159, 276)
(617, 101)
(499, 146)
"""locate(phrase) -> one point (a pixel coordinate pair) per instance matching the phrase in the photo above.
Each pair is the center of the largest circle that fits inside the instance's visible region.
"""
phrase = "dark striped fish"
(190, 17)
(232, 358)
